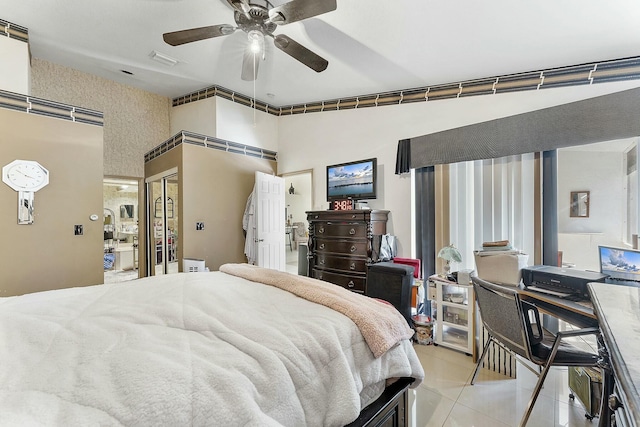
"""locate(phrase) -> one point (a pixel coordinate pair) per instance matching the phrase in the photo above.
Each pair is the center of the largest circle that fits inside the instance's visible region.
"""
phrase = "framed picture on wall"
(579, 204)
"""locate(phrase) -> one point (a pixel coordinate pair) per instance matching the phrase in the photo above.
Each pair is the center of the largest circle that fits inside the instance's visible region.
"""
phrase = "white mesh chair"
(515, 325)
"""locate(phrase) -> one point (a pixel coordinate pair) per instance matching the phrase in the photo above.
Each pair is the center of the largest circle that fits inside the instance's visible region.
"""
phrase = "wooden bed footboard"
(389, 410)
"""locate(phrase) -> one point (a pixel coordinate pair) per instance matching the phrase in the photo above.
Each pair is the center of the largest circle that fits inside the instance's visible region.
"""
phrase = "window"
(489, 200)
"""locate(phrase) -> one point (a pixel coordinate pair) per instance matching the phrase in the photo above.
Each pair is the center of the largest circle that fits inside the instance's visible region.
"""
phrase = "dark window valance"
(602, 118)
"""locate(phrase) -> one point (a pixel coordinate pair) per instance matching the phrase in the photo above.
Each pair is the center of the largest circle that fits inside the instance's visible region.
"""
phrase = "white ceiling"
(372, 46)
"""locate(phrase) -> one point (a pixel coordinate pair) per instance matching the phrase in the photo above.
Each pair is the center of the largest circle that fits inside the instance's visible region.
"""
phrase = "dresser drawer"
(329, 229)
(351, 282)
(346, 247)
(353, 264)
(336, 216)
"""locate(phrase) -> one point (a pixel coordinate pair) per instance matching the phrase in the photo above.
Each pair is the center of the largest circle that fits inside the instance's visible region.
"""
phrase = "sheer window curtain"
(491, 200)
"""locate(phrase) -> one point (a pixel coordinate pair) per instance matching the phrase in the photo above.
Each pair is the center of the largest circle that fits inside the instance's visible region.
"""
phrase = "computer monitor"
(622, 265)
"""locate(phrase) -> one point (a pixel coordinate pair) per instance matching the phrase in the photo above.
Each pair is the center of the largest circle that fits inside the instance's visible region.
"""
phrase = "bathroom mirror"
(126, 211)
(579, 204)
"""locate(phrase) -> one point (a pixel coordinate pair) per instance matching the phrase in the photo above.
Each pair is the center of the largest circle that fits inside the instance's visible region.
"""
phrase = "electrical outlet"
(78, 230)
(199, 226)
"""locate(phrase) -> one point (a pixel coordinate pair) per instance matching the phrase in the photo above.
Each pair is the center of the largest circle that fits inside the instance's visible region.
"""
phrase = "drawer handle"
(352, 231)
(353, 248)
(319, 276)
(353, 216)
(352, 266)
(316, 216)
(351, 284)
(320, 230)
(321, 260)
(321, 246)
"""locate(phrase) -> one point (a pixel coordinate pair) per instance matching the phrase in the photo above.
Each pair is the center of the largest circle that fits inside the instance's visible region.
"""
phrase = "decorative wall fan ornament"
(259, 19)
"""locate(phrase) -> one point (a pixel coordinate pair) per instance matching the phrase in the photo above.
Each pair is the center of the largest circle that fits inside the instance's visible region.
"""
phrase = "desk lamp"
(449, 253)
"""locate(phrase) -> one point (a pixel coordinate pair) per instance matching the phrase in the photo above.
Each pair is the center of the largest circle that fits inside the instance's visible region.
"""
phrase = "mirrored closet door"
(162, 205)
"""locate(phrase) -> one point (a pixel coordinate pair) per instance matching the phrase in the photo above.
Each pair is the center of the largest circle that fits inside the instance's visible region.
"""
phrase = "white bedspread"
(186, 349)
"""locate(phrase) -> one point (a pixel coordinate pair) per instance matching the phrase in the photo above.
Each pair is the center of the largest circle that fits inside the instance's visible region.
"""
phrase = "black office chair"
(515, 325)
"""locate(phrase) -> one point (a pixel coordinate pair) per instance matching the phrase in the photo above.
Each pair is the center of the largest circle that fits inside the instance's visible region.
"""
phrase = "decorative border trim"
(185, 137)
(14, 31)
(43, 107)
(584, 74)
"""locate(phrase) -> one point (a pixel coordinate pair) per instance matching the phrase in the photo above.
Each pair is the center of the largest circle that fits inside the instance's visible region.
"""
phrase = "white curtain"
(492, 200)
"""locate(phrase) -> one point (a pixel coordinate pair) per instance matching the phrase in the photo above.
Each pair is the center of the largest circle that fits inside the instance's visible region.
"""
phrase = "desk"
(618, 308)
(580, 314)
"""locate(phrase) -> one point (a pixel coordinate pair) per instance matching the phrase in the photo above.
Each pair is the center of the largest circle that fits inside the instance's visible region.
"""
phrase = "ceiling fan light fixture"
(256, 41)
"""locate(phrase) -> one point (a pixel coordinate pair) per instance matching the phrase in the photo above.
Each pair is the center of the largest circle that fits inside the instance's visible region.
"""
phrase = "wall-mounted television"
(353, 180)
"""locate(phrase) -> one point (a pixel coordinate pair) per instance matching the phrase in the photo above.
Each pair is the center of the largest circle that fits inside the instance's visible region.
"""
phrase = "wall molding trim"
(14, 31)
(574, 75)
(185, 137)
(32, 105)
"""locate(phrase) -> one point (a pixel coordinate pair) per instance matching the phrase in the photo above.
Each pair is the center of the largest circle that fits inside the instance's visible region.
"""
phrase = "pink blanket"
(381, 325)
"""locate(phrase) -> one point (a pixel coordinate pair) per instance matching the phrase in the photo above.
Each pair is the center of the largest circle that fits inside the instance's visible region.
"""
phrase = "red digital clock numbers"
(343, 205)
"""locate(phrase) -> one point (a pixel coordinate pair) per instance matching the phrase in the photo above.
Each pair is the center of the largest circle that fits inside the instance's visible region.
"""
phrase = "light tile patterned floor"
(447, 399)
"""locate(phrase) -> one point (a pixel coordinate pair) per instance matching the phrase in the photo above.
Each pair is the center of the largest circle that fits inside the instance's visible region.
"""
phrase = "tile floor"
(446, 398)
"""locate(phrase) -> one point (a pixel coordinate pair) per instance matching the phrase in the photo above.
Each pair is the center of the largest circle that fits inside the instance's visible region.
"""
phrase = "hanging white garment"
(249, 225)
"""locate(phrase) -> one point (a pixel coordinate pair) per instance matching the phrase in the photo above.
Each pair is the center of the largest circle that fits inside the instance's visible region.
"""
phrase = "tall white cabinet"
(454, 317)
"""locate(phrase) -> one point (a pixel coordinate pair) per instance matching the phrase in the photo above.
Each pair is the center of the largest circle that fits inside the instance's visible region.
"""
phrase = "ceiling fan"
(259, 19)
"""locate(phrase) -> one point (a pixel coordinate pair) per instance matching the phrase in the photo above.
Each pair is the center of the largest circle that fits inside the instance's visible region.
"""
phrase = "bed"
(240, 346)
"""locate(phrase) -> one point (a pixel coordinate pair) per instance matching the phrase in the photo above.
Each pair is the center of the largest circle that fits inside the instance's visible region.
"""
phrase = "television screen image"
(353, 180)
(620, 264)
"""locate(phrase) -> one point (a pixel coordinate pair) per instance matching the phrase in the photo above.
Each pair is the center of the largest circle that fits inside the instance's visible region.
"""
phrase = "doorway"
(298, 200)
(120, 224)
(162, 201)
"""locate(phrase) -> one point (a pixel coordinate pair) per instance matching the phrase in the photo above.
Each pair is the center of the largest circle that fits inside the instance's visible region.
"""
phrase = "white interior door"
(270, 221)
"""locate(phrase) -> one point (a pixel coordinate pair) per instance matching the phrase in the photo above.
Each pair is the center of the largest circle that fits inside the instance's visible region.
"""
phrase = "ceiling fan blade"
(250, 64)
(297, 10)
(177, 38)
(301, 53)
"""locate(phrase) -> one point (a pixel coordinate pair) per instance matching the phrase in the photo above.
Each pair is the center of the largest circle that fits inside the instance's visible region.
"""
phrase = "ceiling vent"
(163, 59)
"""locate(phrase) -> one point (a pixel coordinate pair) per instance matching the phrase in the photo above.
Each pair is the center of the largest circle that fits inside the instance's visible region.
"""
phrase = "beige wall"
(213, 188)
(135, 121)
(197, 117)
(46, 254)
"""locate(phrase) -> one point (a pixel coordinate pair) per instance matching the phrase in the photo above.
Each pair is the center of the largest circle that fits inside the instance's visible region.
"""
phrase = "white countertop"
(618, 311)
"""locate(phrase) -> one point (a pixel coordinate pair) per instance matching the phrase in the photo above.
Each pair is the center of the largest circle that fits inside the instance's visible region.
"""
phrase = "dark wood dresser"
(340, 244)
